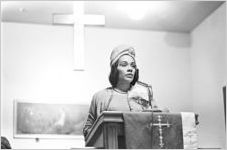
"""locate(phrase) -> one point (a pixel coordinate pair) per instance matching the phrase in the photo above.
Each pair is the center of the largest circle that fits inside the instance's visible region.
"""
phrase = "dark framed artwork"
(224, 98)
(48, 120)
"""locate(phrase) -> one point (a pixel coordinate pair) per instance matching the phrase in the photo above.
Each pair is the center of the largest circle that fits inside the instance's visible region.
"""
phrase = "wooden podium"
(108, 131)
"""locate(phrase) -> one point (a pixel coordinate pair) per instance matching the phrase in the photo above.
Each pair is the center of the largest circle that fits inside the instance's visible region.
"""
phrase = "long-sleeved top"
(139, 98)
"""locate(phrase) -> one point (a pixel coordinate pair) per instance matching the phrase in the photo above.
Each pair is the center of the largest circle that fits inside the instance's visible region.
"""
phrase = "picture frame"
(224, 100)
(48, 120)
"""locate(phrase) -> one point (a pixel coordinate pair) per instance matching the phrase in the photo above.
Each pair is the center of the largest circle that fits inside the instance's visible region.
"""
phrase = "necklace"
(119, 91)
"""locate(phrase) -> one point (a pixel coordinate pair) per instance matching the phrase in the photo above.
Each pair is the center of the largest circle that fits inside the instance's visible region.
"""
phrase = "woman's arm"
(92, 116)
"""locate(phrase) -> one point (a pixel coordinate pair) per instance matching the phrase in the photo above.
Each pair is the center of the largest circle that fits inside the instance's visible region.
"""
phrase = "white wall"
(162, 58)
(208, 67)
(37, 66)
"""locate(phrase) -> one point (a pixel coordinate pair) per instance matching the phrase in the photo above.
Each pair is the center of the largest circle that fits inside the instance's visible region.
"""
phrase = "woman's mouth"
(129, 75)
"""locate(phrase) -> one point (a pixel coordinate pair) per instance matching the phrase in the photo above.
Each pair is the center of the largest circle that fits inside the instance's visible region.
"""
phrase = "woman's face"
(126, 68)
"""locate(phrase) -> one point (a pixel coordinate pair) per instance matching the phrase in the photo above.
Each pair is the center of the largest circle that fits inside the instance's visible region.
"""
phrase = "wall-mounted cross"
(78, 20)
(160, 125)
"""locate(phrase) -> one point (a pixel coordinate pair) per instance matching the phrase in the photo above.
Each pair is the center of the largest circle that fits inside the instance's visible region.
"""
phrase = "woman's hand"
(166, 110)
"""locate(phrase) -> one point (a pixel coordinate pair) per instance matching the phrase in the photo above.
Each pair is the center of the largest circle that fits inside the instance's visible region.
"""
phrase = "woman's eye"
(123, 64)
(133, 65)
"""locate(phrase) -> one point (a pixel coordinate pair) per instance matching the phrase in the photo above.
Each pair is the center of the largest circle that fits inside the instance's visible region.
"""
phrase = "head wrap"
(119, 51)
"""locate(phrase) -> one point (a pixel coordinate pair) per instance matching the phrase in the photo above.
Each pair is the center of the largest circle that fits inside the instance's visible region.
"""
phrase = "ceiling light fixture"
(21, 9)
(134, 9)
(137, 10)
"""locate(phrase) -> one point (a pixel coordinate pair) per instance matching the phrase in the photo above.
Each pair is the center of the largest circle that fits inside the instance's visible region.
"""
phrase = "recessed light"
(21, 9)
(135, 10)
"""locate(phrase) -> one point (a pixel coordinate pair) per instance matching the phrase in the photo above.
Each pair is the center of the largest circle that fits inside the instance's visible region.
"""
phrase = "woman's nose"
(129, 69)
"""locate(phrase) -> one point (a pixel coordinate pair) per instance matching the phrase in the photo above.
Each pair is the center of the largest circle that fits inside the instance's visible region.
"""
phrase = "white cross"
(160, 125)
(78, 19)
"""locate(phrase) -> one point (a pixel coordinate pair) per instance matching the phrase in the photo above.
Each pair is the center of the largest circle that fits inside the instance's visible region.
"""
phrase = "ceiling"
(174, 16)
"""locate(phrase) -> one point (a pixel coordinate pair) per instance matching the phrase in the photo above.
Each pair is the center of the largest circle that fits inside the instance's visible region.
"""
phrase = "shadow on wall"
(181, 40)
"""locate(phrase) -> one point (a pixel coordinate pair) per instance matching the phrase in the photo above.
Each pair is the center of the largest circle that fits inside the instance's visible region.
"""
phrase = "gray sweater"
(139, 98)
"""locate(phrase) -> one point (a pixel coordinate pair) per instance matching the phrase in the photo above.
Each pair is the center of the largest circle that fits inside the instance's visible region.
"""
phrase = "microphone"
(150, 99)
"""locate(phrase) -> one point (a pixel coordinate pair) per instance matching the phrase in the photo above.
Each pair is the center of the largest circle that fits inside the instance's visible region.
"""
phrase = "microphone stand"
(150, 96)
